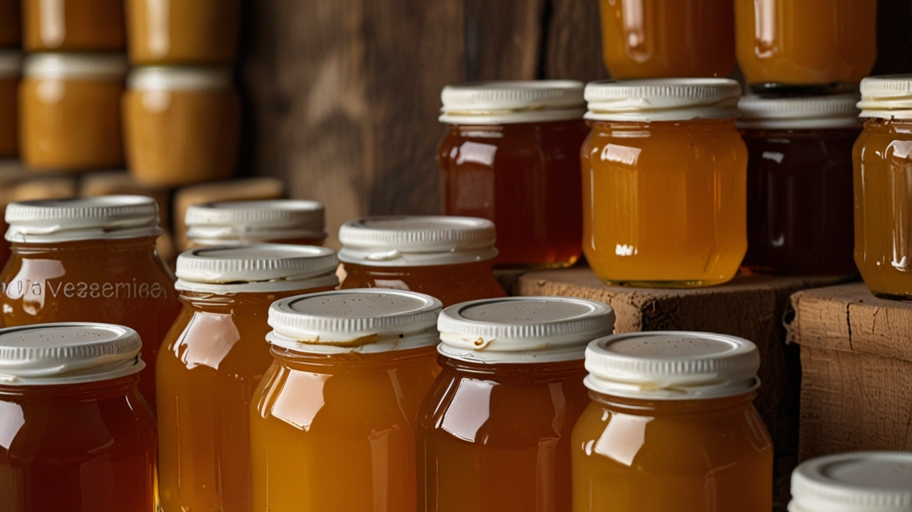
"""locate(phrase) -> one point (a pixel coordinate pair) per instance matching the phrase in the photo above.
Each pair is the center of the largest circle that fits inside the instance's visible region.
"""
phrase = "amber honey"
(333, 421)
(808, 43)
(10, 64)
(73, 25)
(10, 19)
(211, 362)
(183, 31)
(668, 38)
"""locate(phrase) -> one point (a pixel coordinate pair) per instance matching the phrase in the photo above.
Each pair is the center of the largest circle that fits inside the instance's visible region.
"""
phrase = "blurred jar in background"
(10, 71)
(73, 25)
(277, 221)
(183, 31)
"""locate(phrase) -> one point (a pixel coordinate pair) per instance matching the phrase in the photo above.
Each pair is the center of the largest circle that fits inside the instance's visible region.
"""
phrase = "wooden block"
(235, 190)
(119, 182)
(856, 358)
(749, 306)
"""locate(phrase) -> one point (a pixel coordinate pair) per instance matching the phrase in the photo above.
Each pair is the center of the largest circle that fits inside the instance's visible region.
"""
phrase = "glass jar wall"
(510, 154)
(494, 430)
(665, 187)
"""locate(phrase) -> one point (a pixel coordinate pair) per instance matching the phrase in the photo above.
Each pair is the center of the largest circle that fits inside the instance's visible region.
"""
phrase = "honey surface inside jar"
(666, 202)
(338, 431)
(686, 456)
(668, 38)
(208, 368)
(524, 177)
(451, 284)
(497, 437)
(80, 25)
(181, 137)
(183, 31)
(70, 124)
(76, 447)
(810, 42)
(120, 281)
(883, 207)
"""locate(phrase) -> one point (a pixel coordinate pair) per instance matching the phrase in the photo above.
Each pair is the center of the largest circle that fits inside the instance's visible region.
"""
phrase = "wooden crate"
(751, 307)
(856, 357)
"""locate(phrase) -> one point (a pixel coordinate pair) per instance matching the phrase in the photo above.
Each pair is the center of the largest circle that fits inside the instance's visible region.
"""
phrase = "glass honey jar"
(10, 23)
(76, 434)
(811, 46)
(279, 221)
(494, 430)
(182, 125)
(882, 158)
(10, 71)
(510, 154)
(212, 360)
(853, 482)
(799, 192)
(183, 31)
(333, 420)
(73, 25)
(664, 182)
(446, 257)
(90, 260)
(69, 111)
(668, 38)
(671, 426)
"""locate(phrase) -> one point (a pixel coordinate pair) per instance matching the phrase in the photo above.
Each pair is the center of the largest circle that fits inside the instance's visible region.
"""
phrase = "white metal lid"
(672, 365)
(510, 102)
(255, 221)
(854, 482)
(10, 64)
(66, 220)
(886, 97)
(819, 112)
(99, 66)
(256, 268)
(67, 353)
(663, 99)
(179, 78)
(360, 320)
(522, 329)
(417, 241)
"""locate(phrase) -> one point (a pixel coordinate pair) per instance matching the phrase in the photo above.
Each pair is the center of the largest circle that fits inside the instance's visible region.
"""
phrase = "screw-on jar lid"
(886, 97)
(67, 353)
(256, 268)
(10, 64)
(854, 482)
(522, 329)
(255, 221)
(90, 218)
(510, 102)
(360, 320)
(85, 66)
(417, 241)
(663, 99)
(178, 78)
(819, 112)
(672, 365)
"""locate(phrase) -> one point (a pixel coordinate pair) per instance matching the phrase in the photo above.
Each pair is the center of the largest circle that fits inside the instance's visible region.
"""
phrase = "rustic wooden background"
(343, 95)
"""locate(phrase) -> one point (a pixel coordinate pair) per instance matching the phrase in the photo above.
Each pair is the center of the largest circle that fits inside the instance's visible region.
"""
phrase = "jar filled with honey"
(332, 423)
(69, 108)
(668, 38)
(810, 46)
(853, 482)
(446, 257)
(90, 260)
(883, 187)
(183, 31)
(494, 430)
(181, 125)
(212, 360)
(799, 184)
(10, 70)
(672, 426)
(73, 25)
(279, 221)
(665, 182)
(510, 154)
(10, 27)
(76, 434)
